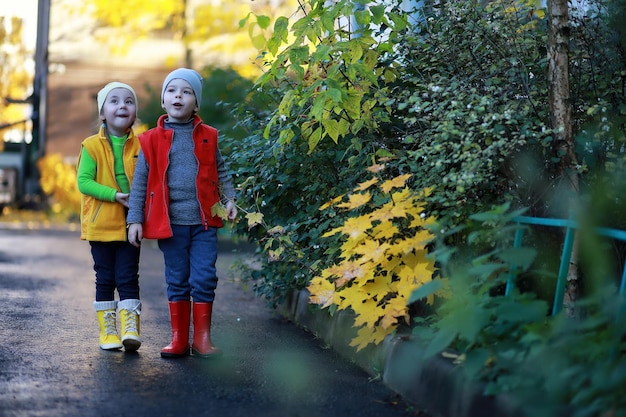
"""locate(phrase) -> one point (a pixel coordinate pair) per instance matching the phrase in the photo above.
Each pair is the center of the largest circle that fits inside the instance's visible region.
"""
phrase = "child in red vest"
(180, 176)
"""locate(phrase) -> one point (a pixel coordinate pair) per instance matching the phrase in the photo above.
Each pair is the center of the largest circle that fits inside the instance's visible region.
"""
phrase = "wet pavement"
(51, 365)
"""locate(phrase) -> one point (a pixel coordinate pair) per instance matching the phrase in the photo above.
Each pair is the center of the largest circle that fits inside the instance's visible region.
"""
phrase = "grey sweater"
(184, 208)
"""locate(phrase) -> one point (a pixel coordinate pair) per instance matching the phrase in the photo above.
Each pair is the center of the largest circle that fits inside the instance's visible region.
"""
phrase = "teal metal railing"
(570, 227)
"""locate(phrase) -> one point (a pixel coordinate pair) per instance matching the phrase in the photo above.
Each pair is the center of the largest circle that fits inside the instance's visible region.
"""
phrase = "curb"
(434, 385)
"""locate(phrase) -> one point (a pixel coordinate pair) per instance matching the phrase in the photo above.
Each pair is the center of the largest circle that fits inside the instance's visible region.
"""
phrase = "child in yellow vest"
(105, 170)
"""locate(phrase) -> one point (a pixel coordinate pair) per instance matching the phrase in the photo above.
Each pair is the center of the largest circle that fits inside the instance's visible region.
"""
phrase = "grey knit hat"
(192, 77)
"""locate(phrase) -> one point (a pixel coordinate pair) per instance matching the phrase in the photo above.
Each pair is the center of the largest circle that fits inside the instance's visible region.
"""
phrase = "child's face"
(119, 111)
(179, 101)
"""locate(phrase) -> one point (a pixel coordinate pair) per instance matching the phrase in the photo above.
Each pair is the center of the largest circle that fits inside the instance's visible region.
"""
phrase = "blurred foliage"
(15, 79)
(559, 366)
(198, 25)
(58, 182)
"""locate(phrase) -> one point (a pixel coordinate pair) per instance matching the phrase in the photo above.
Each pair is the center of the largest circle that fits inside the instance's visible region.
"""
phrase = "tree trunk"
(560, 106)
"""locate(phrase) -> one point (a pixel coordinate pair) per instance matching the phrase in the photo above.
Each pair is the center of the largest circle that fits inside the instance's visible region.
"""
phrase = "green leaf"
(352, 104)
(328, 22)
(299, 55)
(263, 21)
(533, 311)
(378, 14)
(521, 257)
(314, 139)
(362, 17)
(475, 361)
(485, 270)
(243, 22)
(440, 342)
(281, 27)
(334, 94)
(258, 41)
(399, 21)
(285, 136)
(356, 52)
(331, 127)
(424, 291)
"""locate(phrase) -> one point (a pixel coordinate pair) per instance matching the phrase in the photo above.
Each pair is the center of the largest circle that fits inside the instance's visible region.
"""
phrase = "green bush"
(458, 98)
(551, 366)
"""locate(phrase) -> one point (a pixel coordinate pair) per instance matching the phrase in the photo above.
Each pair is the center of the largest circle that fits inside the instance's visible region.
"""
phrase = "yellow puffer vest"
(105, 221)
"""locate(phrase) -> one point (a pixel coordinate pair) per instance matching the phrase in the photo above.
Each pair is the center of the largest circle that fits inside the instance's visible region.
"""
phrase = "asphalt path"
(51, 365)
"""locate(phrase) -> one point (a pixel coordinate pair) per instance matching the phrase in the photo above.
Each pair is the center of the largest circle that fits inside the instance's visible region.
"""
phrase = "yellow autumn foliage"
(58, 182)
(383, 258)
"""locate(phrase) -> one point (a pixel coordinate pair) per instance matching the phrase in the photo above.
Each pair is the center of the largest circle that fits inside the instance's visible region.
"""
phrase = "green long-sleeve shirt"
(86, 173)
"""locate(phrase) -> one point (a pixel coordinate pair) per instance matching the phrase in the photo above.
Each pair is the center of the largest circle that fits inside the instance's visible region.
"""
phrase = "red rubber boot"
(202, 345)
(180, 312)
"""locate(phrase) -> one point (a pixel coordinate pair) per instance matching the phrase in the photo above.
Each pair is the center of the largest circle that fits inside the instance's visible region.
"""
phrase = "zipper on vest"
(95, 215)
(150, 205)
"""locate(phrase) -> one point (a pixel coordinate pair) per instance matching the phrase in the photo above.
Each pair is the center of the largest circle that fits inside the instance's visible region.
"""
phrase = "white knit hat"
(192, 77)
(102, 94)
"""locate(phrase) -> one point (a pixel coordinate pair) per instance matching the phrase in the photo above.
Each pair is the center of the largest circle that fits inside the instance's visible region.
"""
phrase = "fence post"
(561, 282)
(517, 243)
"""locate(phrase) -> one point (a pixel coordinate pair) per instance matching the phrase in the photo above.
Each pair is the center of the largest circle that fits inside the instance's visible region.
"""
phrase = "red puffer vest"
(155, 144)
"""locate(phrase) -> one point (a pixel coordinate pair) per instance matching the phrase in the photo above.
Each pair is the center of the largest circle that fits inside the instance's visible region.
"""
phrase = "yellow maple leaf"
(420, 220)
(368, 268)
(424, 271)
(371, 250)
(355, 227)
(390, 262)
(406, 195)
(348, 246)
(385, 231)
(346, 271)
(219, 210)
(376, 168)
(397, 182)
(381, 265)
(331, 202)
(350, 294)
(406, 278)
(367, 313)
(412, 277)
(420, 239)
(395, 308)
(276, 230)
(366, 336)
(322, 292)
(356, 200)
(365, 185)
(389, 211)
(401, 246)
(379, 285)
(254, 219)
(333, 231)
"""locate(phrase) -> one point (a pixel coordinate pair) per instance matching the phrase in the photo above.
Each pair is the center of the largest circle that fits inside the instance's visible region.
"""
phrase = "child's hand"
(135, 234)
(122, 198)
(231, 210)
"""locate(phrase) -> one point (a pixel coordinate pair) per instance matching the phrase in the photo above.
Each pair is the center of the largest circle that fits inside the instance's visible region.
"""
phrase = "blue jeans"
(190, 256)
(117, 267)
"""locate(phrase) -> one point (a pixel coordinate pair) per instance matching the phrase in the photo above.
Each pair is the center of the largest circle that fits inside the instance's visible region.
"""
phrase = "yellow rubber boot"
(107, 316)
(130, 310)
